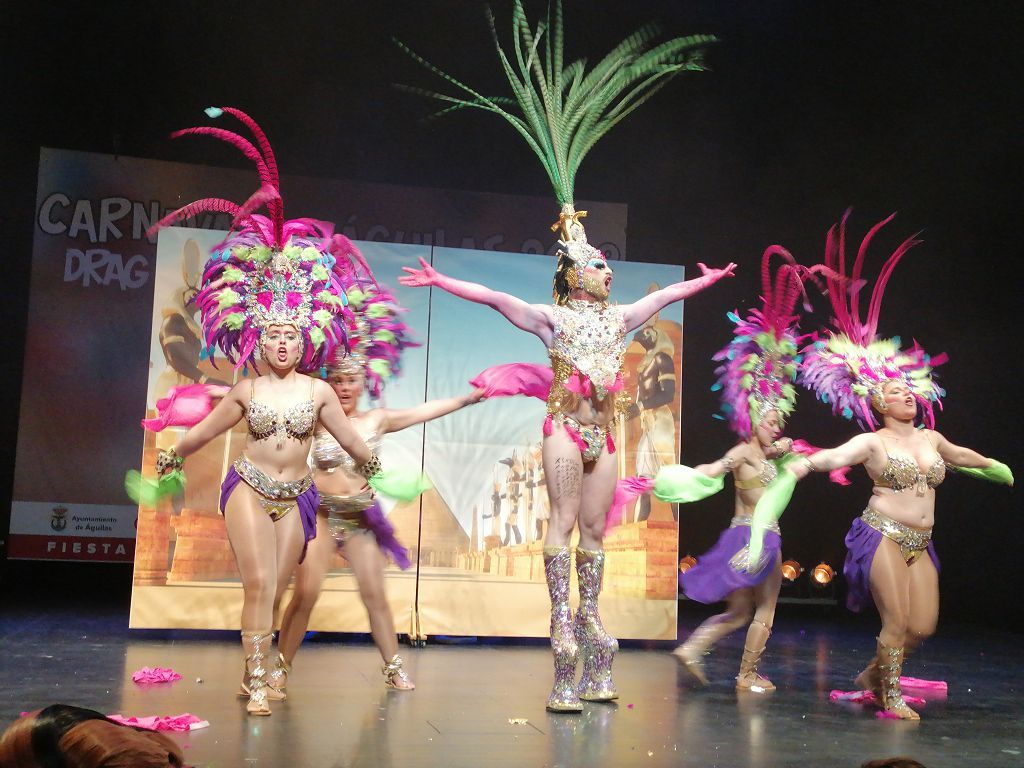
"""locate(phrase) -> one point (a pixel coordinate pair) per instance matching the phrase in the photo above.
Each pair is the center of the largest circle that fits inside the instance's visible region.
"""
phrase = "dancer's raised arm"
(395, 420)
(533, 318)
(856, 450)
(639, 312)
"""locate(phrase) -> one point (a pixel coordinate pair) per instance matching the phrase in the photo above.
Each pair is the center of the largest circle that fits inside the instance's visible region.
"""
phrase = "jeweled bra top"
(265, 422)
(768, 473)
(328, 455)
(902, 474)
(590, 337)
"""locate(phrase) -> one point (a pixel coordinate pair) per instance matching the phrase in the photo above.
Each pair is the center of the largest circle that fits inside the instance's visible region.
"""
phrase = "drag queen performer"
(272, 290)
(756, 381)
(563, 114)
(350, 519)
(890, 559)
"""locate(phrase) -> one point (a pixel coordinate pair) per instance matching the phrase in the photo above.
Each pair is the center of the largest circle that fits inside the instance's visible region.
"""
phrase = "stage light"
(822, 574)
(791, 570)
(687, 563)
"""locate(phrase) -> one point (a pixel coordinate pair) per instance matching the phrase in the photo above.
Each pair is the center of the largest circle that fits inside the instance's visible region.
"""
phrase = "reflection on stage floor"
(482, 703)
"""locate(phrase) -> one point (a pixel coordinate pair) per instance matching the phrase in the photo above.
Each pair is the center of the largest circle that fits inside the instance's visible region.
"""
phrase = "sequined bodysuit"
(264, 421)
(586, 358)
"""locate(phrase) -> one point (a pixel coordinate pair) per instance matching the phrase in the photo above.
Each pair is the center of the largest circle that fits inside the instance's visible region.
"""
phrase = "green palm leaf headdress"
(561, 110)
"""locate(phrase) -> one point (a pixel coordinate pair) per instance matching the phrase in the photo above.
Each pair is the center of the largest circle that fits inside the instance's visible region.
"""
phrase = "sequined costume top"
(264, 421)
(902, 474)
(586, 357)
(328, 455)
(769, 471)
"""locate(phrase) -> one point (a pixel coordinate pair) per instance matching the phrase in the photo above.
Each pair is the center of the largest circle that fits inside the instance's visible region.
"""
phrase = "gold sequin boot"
(890, 665)
(597, 646)
(563, 698)
(256, 645)
(749, 679)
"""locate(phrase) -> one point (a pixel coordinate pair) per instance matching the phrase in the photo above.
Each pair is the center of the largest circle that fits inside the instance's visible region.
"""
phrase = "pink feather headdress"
(759, 365)
(269, 271)
(376, 335)
(849, 368)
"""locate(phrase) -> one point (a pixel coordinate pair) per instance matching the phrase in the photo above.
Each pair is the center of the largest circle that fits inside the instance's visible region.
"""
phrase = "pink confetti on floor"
(186, 722)
(867, 697)
(148, 675)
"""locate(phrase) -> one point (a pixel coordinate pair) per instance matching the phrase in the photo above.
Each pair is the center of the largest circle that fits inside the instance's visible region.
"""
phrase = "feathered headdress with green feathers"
(561, 110)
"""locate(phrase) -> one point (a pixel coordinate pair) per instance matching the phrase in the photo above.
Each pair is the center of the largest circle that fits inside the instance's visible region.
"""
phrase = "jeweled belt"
(740, 520)
(276, 496)
(912, 542)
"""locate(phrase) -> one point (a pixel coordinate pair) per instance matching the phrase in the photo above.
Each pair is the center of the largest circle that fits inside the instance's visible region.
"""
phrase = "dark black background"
(809, 108)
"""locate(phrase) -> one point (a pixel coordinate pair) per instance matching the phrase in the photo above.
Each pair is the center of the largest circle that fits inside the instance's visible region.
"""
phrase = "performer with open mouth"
(890, 555)
(563, 113)
(271, 290)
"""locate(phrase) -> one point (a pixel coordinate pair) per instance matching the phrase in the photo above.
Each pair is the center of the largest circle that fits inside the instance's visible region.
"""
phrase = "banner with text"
(92, 296)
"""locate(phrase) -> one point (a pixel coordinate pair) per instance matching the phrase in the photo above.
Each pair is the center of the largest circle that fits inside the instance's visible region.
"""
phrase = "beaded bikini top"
(264, 421)
(768, 473)
(902, 474)
(328, 455)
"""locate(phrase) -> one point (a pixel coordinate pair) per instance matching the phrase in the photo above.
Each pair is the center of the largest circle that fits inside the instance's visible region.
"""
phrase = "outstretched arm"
(223, 417)
(856, 450)
(395, 420)
(639, 312)
(960, 456)
(533, 318)
(733, 457)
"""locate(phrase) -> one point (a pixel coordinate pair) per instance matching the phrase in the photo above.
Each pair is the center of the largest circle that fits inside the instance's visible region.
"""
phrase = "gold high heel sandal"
(691, 653)
(890, 665)
(395, 677)
(749, 679)
(256, 686)
(277, 680)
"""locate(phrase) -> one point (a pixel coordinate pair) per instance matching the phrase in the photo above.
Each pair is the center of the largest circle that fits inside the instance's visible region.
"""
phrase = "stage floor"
(483, 704)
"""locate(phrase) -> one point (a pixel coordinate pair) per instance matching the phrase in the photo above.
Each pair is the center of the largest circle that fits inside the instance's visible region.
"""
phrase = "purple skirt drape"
(307, 502)
(384, 533)
(714, 576)
(861, 543)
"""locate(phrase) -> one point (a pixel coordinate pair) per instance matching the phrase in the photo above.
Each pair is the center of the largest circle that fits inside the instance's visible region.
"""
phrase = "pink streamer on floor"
(148, 675)
(186, 722)
(868, 697)
(925, 686)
